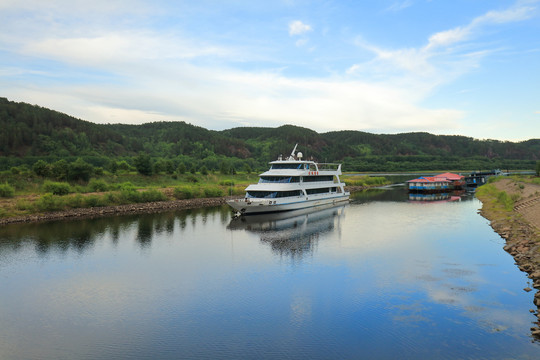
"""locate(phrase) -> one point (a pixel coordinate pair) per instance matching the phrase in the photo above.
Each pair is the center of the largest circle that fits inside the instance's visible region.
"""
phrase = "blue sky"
(463, 67)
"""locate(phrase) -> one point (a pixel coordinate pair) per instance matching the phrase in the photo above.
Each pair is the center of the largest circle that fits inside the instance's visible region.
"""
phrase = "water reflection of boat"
(292, 232)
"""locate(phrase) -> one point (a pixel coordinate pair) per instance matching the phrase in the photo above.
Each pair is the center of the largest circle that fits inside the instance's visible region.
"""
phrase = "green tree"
(41, 168)
(169, 166)
(160, 166)
(143, 164)
(59, 170)
(538, 168)
(123, 165)
(113, 167)
(80, 170)
(225, 167)
(182, 168)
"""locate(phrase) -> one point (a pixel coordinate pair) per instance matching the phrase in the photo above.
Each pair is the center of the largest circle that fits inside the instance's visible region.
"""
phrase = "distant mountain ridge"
(30, 130)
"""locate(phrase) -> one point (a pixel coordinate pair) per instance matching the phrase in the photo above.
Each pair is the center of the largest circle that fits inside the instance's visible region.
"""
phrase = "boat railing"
(328, 166)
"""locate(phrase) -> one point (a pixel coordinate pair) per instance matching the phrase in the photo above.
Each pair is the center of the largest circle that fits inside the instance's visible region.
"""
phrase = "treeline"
(31, 133)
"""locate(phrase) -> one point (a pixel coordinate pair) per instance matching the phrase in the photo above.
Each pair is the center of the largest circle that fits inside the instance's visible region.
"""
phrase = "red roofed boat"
(442, 182)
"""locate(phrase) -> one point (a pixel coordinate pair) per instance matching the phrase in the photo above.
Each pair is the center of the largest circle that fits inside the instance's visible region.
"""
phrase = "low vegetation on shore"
(25, 192)
(500, 200)
(512, 204)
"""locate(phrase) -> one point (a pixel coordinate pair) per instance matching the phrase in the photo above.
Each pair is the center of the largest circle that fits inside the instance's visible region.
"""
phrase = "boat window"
(279, 179)
(317, 191)
(318, 178)
(286, 166)
(272, 194)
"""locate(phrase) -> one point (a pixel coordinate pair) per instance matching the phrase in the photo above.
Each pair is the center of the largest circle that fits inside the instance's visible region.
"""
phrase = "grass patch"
(50, 202)
(364, 180)
(497, 198)
(43, 195)
(213, 191)
(6, 190)
(56, 188)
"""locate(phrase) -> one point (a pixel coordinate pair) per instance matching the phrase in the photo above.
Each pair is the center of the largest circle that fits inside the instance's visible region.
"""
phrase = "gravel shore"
(521, 230)
(116, 210)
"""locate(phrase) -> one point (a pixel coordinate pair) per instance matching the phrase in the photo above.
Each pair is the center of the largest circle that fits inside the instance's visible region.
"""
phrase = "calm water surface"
(381, 278)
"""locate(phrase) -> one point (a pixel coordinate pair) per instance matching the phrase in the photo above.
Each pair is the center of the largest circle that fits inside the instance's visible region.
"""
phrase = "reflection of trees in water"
(145, 231)
(80, 235)
(295, 248)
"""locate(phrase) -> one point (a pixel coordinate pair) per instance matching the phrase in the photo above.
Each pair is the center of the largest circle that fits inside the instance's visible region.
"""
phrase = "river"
(384, 277)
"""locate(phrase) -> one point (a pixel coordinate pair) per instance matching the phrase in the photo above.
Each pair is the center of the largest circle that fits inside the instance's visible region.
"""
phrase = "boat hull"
(260, 206)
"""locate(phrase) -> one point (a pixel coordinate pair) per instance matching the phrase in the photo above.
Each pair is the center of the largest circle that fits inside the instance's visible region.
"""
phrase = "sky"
(459, 67)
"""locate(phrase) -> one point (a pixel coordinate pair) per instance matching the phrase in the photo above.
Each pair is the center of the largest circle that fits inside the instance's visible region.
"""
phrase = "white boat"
(293, 184)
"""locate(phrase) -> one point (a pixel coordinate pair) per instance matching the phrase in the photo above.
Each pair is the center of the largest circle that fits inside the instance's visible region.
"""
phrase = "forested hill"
(31, 132)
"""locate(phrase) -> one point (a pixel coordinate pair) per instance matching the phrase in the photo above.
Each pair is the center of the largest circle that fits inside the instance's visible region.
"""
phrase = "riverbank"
(138, 208)
(513, 209)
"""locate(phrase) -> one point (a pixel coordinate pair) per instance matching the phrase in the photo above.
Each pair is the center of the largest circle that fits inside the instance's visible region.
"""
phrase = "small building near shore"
(428, 183)
(441, 182)
(457, 181)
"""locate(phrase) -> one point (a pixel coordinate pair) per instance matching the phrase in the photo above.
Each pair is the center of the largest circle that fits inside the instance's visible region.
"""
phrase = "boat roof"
(450, 176)
(429, 179)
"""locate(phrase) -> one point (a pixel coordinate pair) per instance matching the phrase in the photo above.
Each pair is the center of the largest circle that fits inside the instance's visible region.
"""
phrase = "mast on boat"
(293, 151)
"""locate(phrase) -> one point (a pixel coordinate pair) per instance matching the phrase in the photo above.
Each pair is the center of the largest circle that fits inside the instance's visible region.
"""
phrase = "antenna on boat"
(293, 151)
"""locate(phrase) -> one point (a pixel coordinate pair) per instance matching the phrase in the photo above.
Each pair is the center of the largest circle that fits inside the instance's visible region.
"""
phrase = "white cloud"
(400, 5)
(519, 12)
(447, 55)
(297, 27)
(120, 48)
(161, 74)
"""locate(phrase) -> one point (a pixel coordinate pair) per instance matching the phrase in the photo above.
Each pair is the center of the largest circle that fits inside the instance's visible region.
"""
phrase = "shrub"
(505, 200)
(94, 201)
(183, 192)
(152, 195)
(50, 202)
(6, 190)
(131, 196)
(226, 183)
(123, 165)
(213, 191)
(24, 205)
(74, 201)
(126, 186)
(56, 188)
(98, 185)
(192, 178)
(237, 190)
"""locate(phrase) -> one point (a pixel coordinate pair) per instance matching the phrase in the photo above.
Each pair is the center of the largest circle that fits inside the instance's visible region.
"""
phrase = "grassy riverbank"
(27, 194)
(513, 207)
